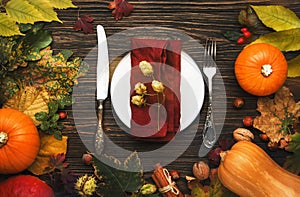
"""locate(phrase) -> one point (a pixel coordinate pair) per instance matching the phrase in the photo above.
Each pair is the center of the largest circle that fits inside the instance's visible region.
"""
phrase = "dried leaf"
(49, 146)
(286, 40)
(118, 177)
(120, 8)
(277, 115)
(277, 17)
(84, 23)
(29, 101)
(294, 67)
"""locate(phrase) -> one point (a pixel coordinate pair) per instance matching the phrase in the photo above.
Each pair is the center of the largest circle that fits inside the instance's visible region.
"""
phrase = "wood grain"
(198, 19)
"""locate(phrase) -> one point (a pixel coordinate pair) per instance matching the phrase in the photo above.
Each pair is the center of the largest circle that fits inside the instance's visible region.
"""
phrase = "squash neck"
(3, 138)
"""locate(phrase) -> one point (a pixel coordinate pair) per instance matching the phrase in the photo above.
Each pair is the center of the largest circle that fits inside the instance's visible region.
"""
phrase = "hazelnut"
(87, 158)
(201, 170)
(238, 103)
(243, 134)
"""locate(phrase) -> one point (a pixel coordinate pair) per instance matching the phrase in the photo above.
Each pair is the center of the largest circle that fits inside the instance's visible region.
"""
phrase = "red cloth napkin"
(165, 58)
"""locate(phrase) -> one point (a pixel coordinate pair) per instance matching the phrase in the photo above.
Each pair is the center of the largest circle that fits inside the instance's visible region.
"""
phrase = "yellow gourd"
(247, 170)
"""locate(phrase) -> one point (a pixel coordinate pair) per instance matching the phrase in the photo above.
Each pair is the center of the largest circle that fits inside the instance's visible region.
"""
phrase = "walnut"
(243, 134)
(201, 170)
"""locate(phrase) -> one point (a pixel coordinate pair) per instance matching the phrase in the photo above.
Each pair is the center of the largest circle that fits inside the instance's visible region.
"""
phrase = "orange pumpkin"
(19, 141)
(261, 69)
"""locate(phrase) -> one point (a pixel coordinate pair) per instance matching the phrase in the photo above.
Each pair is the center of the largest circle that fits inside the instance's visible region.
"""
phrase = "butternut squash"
(248, 170)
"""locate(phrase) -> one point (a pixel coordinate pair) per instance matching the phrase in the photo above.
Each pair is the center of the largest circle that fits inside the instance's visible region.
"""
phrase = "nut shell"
(201, 170)
(243, 134)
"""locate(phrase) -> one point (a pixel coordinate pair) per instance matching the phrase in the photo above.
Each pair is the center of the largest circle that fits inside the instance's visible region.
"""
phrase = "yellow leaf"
(49, 146)
(62, 4)
(288, 40)
(277, 17)
(45, 8)
(8, 26)
(23, 12)
(29, 101)
(294, 67)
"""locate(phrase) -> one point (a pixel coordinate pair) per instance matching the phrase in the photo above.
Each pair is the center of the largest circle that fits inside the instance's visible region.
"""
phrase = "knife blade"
(102, 85)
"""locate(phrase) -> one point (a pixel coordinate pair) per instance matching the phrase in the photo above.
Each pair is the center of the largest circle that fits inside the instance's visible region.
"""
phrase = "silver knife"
(102, 85)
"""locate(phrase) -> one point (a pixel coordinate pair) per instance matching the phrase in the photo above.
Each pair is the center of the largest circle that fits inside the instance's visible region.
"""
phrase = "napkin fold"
(150, 122)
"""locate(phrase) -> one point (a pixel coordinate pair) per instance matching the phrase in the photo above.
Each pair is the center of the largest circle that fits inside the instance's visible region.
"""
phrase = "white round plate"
(192, 90)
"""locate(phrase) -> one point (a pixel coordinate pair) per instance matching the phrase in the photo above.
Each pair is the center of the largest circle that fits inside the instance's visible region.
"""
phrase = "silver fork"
(209, 69)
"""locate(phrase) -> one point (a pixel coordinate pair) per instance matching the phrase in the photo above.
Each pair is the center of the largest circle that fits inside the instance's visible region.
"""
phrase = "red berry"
(238, 103)
(174, 174)
(248, 121)
(87, 159)
(244, 29)
(264, 137)
(241, 40)
(62, 114)
(247, 34)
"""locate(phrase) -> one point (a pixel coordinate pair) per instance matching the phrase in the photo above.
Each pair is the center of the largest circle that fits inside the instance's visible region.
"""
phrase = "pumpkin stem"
(266, 70)
(223, 155)
(3, 138)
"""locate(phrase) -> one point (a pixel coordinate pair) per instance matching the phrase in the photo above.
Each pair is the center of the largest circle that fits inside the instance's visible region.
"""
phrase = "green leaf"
(294, 67)
(117, 180)
(44, 7)
(287, 40)
(41, 116)
(54, 118)
(8, 26)
(62, 4)
(34, 42)
(66, 54)
(53, 107)
(277, 17)
(58, 134)
(45, 125)
(292, 162)
(23, 12)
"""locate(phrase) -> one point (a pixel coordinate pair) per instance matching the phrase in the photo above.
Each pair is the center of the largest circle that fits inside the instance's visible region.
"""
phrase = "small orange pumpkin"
(19, 141)
(261, 69)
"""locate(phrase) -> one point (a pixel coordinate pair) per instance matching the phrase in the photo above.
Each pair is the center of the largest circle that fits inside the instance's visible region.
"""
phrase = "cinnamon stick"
(165, 184)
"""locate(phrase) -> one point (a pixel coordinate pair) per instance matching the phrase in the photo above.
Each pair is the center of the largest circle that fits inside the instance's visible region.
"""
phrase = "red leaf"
(84, 23)
(121, 8)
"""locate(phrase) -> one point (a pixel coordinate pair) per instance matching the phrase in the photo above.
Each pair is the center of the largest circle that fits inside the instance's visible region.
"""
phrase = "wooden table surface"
(198, 19)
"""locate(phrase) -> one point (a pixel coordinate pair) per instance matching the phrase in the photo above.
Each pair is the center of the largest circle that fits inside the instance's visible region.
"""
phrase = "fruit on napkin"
(24, 186)
(148, 122)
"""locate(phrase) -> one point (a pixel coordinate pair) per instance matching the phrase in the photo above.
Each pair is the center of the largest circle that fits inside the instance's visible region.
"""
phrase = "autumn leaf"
(119, 177)
(120, 8)
(292, 162)
(277, 17)
(23, 12)
(44, 7)
(287, 40)
(62, 4)
(294, 67)
(84, 23)
(8, 26)
(49, 146)
(277, 115)
(29, 101)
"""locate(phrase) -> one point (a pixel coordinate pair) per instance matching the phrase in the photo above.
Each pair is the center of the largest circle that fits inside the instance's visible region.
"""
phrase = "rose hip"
(248, 121)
